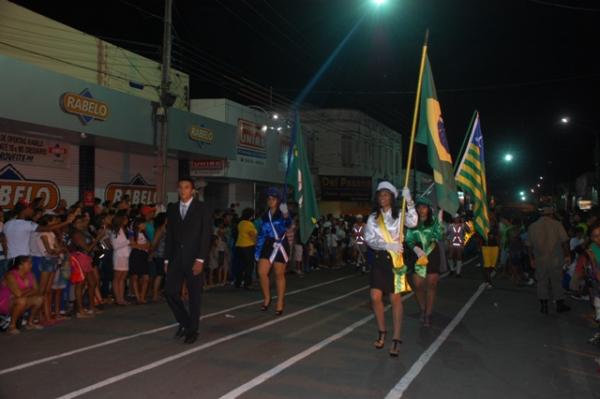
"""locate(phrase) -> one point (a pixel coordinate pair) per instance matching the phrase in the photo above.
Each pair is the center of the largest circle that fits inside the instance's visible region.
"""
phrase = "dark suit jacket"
(188, 239)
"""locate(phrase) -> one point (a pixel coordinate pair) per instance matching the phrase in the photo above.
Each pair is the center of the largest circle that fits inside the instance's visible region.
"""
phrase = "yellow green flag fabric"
(432, 133)
(470, 175)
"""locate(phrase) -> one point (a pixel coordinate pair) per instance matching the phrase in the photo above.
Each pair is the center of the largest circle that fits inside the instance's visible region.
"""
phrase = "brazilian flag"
(432, 133)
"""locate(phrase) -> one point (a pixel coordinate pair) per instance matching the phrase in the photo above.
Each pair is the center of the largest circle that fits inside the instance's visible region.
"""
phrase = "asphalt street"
(483, 343)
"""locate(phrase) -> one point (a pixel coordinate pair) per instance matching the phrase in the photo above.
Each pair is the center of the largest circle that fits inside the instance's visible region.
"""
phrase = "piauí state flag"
(470, 175)
(432, 133)
(299, 177)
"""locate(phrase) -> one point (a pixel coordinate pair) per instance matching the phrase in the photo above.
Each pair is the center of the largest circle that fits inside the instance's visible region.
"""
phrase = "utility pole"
(166, 101)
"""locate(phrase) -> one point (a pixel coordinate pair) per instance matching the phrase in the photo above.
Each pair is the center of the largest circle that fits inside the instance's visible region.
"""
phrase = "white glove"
(284, 208)
(394, 247)
(420, 253)
(406, 194)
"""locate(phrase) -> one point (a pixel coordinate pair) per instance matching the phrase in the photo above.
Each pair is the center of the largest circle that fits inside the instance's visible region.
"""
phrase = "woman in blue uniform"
(273, 249)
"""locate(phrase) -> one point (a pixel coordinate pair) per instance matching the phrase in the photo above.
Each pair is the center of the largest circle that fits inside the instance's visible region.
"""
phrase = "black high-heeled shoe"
(279, 312)
(395, 350)
(264, 307)
(380, 342)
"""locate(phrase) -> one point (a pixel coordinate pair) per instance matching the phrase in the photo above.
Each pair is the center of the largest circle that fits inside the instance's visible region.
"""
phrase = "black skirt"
(138, 263)
(382, 273)
(267, 250)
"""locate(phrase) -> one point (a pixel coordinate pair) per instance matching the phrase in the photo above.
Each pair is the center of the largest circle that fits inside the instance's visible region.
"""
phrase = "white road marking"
(154, 330)
(300, 356)
(204, 346)
(304, 354)
(398, 390)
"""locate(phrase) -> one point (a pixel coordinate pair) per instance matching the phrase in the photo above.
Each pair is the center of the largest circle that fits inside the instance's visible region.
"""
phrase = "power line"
(75, 31)
(565, 6)
(450, 90)
(143, 11)
(70, 63)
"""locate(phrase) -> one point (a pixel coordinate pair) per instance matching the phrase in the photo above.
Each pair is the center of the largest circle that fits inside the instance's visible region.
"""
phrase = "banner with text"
(252, 143)
(18, 148)
(346, 188)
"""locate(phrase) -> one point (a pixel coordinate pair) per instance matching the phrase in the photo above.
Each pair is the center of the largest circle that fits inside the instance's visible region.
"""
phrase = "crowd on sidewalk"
(72, 261)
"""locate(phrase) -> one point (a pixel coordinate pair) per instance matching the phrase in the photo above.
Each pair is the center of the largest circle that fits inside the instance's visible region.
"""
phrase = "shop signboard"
(346, 188)
(15, 187)
(85, 106)
(19, 148)
(207, 167)
(138, 191)
(252, 143)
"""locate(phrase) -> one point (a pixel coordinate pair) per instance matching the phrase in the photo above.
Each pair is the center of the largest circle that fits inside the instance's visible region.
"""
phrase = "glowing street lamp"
(564, 120)
(522, 193)
(508, 157)
(379, 3)
(541, 177)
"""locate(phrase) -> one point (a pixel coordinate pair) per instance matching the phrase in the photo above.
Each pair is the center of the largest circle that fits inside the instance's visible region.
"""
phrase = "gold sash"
(399, 269)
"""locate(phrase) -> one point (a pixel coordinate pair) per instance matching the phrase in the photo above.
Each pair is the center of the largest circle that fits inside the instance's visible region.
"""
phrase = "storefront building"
(259, 159)
(61, 137)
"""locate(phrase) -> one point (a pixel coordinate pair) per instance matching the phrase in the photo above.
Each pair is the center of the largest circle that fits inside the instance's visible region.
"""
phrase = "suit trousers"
(549, 280)
(176, 275)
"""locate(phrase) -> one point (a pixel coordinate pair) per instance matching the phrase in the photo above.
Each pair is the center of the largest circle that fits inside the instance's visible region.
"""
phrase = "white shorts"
(121, 263)
(298, 253)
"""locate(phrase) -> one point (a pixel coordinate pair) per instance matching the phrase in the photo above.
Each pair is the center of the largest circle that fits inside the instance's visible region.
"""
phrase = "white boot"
(458, 267)
(451, 265)
(597, 307)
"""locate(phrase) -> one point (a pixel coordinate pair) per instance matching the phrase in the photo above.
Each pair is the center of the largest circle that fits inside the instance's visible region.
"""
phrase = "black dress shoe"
(191, 338)
(180, 333)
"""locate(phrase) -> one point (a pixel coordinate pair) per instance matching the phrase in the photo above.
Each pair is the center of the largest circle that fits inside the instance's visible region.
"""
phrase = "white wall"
(376, 150)
(120, 167)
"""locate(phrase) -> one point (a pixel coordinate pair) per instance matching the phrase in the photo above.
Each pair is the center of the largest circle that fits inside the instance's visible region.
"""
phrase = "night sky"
(522, 63)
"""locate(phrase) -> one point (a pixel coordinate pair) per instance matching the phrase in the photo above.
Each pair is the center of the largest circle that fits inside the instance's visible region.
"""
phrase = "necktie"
(184, 209)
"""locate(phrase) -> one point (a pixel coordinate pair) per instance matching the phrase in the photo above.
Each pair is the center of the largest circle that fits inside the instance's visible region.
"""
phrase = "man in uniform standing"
(549, 251)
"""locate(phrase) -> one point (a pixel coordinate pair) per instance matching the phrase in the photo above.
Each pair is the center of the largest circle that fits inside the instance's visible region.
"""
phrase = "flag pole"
(464, 144)
(413, 131)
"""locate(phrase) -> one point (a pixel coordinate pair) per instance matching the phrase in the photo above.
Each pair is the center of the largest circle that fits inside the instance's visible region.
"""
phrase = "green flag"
(432, 133)
(470, 175)
(300, 179)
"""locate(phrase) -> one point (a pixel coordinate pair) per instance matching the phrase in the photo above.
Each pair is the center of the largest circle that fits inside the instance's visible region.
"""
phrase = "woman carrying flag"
(423, 240)
(273, 249)
(383, 234)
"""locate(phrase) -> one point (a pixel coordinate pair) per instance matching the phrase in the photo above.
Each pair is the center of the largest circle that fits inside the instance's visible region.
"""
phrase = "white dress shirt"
(373, 235)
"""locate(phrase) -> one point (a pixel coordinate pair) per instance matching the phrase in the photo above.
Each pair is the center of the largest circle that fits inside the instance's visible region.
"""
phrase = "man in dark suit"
(189, 229)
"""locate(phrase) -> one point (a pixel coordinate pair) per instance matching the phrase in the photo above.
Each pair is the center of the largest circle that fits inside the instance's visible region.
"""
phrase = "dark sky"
(522, 63)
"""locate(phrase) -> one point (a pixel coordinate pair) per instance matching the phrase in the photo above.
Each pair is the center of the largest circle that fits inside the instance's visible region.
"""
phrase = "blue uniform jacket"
(281, 225)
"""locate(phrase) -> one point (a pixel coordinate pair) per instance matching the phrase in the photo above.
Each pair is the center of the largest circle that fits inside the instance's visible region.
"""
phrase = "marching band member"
(273, 249)
(384, 235)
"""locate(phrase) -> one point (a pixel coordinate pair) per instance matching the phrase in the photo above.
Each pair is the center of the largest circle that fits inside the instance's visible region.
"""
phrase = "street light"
(541, 177)
(532, 191)
(508, 157)
(564, 120)
(379, 3)
(522, 193)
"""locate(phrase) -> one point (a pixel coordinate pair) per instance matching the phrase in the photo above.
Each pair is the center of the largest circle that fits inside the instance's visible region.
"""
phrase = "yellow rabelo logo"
(84, 106)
